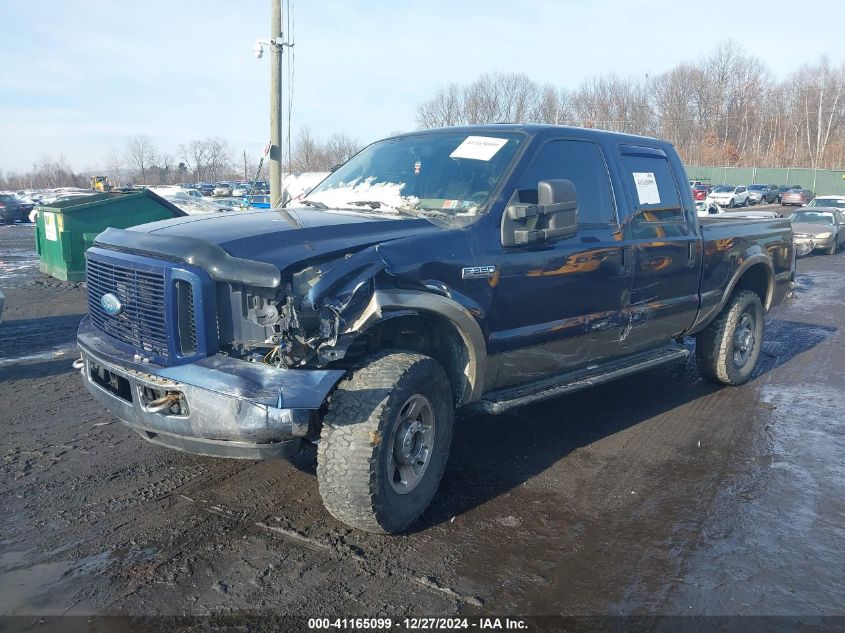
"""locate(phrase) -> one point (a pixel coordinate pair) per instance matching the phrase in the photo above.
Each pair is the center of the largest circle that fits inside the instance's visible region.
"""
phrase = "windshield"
(725, 189)
(446, 174)
(758, 187)
(812, 217)
(839, 203)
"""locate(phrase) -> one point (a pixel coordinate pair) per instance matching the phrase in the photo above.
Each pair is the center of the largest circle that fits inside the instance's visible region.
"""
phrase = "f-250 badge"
(478, 272)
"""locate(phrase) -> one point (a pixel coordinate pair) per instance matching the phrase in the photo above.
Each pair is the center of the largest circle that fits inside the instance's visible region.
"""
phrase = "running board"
(501, 400)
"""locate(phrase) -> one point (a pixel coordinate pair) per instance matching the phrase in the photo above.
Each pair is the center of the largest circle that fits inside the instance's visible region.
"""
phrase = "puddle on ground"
(17, 262)
(56, 352)
(44, 588)
(55, 588)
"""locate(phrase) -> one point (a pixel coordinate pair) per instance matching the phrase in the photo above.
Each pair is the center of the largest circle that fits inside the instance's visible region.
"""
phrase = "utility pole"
(246, 175)
(276, 104)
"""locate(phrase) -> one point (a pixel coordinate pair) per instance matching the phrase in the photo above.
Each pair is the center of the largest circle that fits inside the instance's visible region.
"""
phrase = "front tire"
(385, 441)
(731, 204)
(727, 351)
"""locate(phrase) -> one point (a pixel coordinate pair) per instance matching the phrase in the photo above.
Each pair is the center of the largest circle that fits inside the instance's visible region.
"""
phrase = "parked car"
(818, 228)
(828, 202)
(700, 191)
(206, 188)
(784, 188)
(365, 315)
(222, 189)
(729, 196)
(229, 203)
(13, 210)
(258, 202)
(762, 194)
(241, 189)
(796, 197)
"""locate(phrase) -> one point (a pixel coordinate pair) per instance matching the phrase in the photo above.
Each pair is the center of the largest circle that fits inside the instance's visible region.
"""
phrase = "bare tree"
(141, 153)
(219, 157)
(726, 109)
(307, 154)
(339, 148)
(115, 164)
(194, 154)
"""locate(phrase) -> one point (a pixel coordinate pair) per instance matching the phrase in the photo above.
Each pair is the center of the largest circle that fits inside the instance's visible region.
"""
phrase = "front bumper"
(218, 406)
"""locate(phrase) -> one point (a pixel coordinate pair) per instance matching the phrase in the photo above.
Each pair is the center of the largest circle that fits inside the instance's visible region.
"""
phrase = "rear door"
(667, 251)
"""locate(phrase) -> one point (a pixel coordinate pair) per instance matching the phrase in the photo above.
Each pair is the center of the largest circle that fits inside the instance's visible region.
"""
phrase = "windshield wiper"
(313, 203)
(373, 204)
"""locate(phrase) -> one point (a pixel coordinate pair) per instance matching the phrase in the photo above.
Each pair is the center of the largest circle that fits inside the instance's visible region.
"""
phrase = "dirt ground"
(657, 494)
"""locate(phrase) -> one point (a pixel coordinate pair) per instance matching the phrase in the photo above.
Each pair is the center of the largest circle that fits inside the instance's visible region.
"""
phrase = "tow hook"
(163, 403)
(79, 363)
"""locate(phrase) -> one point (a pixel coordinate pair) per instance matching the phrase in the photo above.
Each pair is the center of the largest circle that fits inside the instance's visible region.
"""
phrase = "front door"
(559, 302)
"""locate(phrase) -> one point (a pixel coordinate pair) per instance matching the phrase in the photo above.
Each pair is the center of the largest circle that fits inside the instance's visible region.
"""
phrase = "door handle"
(691, 250)
(626, 261)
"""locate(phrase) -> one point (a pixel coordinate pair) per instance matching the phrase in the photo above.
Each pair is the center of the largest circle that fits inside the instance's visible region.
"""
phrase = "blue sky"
(80, 77)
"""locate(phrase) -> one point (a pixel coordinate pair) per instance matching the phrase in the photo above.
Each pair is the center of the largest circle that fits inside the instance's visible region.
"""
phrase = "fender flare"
(428, 302)
(754, 260)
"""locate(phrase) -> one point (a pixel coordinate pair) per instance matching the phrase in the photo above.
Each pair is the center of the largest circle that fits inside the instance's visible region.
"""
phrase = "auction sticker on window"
(50, 227)
(646, 187)
(479, 147)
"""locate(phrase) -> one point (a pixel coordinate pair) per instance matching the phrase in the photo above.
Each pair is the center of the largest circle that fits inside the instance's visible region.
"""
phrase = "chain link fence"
(821, 181)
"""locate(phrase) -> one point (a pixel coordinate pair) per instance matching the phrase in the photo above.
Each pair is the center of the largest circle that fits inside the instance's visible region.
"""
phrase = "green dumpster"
(65, 230)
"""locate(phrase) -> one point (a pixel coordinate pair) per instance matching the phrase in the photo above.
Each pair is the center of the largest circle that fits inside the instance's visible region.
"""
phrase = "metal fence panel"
(821, 181)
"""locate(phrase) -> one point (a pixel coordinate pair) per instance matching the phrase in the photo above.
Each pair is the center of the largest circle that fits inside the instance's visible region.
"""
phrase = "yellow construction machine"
(100, 183)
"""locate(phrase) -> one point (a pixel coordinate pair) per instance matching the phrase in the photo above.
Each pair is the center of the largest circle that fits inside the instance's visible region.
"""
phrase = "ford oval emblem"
(110, 304)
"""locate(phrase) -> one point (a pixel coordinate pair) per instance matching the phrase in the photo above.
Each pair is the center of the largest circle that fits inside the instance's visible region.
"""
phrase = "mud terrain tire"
(727, 350)
(392, 414)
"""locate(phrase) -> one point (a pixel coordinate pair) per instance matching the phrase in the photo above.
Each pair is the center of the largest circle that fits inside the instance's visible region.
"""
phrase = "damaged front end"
(309, 322)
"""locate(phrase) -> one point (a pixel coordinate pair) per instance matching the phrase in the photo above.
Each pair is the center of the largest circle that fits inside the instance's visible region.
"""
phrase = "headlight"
(823, 236)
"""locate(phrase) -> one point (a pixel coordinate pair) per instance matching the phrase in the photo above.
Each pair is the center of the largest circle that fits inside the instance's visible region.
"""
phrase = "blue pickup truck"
(484, 266)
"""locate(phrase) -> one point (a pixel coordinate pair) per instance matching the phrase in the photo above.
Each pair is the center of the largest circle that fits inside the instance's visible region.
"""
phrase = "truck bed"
(730, 242)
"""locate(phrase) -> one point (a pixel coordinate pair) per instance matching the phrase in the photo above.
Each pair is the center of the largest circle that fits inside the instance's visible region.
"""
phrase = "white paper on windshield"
(50, 227)
(479, 147)
(646, 187)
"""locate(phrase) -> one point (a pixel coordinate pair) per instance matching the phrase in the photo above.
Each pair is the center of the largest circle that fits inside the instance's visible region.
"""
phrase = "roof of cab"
(537, 129)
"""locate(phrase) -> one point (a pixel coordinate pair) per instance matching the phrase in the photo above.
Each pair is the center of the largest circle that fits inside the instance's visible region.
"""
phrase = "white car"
(830, 202)
(241, 190)
(729, 196)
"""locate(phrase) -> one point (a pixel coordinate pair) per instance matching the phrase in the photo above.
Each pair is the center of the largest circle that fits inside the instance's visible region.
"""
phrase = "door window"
(582, 163)
(650, 181)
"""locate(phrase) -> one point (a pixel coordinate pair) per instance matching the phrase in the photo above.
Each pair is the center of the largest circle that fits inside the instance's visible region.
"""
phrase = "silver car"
(222, 189)
(818, 228)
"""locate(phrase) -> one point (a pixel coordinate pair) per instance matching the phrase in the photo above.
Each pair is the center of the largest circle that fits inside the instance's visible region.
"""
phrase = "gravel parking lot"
(657, 494)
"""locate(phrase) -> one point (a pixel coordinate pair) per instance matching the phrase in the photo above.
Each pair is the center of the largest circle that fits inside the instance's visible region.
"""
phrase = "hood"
(284, 237)
(807, 228)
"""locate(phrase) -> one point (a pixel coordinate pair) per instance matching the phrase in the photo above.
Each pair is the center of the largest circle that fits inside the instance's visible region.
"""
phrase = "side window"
(583, 164)
(652, 185)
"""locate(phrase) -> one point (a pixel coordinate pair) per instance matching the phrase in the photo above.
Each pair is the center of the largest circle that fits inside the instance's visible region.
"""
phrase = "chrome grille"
(141, 321)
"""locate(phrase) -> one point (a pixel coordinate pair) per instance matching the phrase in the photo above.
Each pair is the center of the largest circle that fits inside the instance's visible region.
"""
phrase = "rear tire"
(385, 441)
(727, 350)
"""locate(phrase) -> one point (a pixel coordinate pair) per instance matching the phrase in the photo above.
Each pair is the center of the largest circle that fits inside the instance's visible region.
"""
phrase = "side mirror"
(556, 210)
